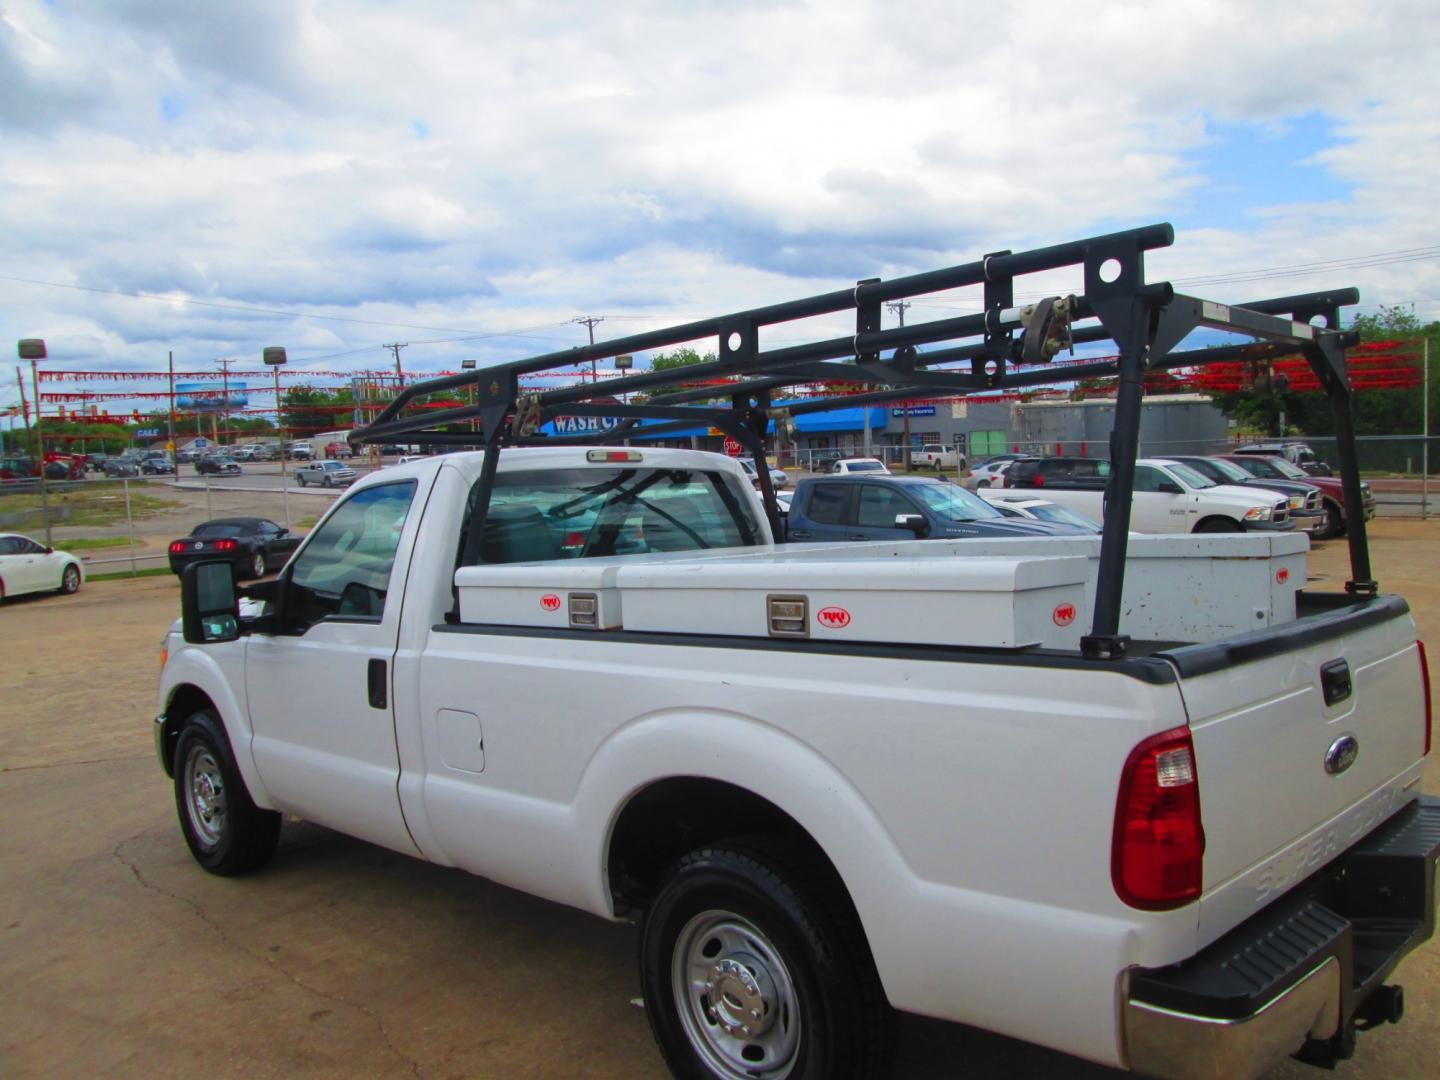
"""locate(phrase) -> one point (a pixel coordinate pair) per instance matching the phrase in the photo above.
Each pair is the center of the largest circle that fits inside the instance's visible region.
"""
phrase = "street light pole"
(33, 349)
(468, 364)
(274, 356)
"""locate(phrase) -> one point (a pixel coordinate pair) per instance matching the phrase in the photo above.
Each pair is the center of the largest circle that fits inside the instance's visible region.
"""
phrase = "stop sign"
(732, 446)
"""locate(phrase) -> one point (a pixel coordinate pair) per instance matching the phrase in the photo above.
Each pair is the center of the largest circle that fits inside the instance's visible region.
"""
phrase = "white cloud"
(504, 167)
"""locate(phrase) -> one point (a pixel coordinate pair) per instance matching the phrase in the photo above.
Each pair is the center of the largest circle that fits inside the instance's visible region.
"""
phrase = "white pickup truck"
(833, 781)
(937, 457)
(1169, 497)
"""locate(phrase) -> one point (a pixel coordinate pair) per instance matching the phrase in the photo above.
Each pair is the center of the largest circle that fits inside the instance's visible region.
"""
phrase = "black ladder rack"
(1004, 347)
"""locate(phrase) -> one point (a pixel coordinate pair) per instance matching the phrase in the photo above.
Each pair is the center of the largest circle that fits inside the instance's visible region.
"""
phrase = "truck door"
(319, 690)
(1157, 508)
(828, 514)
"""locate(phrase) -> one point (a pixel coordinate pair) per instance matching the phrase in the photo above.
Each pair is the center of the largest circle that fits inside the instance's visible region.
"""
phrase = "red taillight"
(1425, 689)
(1157, 855)
(177, 547)
(225, 545)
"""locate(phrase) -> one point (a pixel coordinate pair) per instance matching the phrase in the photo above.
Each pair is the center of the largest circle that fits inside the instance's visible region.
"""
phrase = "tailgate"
(1306, 737)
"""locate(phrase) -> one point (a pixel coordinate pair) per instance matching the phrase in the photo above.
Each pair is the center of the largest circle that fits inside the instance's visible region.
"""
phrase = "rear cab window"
(538, 515)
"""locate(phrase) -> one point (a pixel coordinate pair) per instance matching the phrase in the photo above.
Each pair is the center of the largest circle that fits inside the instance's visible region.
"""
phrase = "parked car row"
(1184, 493)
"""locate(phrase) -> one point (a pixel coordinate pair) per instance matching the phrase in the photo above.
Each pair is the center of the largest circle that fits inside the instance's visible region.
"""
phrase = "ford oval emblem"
(1342, 754)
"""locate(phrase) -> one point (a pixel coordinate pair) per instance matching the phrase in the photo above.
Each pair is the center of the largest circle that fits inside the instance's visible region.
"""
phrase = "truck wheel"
(1218, 525)
(754, 967)
(227, 833)
(1334, 522)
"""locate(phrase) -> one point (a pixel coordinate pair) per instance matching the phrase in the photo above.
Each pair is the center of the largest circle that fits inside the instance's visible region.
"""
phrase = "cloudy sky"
(470, 177)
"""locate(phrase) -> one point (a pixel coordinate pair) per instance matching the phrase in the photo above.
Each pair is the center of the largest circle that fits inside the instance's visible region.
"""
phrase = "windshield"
(544, 514)
(1190, 476)
(953, 502)
(1062, 515)
(1293, 472)
(864, 466)
(1230, 472)
(333, 465)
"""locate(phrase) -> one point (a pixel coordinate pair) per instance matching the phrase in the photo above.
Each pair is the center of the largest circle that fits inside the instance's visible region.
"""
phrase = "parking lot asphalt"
(120, 957)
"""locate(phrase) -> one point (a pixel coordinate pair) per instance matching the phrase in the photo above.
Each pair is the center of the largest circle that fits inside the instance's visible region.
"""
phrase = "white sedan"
(27, 567)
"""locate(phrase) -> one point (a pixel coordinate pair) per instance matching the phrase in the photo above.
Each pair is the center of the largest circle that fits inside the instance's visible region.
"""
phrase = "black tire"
(226, 832)
(1218, 525)
(257, 565)
(325, 482)
(770, 927)
(1334, 522)
(301, 479)
(70, 579)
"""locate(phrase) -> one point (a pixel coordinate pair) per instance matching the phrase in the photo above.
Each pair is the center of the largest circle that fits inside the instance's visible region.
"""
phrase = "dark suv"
(1073, 473)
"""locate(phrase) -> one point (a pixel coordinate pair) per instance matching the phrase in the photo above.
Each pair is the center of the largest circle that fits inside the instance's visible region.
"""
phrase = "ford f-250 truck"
(1167, 820)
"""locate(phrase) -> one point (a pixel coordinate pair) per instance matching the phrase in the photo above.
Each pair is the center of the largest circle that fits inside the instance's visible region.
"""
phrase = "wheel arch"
(192, 681)
(1230, 523)
(643, 787)
(669, 817)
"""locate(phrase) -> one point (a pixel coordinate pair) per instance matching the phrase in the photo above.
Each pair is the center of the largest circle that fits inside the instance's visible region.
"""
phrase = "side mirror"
(209, 608)
(49, 551)
(1169, 487)
(283, 532)
(916, 523)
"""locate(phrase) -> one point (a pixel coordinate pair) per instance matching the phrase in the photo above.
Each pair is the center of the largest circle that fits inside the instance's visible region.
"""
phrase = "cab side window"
(879, 505)
(829, 504)
(1147, 478)
(345, 568)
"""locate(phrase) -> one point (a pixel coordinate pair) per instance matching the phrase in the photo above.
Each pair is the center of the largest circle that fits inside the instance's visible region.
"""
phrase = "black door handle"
(1335, 681)
(375, 681)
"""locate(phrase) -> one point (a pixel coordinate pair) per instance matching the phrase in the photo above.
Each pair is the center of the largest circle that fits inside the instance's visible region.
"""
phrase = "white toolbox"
(578, 594)
(987, 601)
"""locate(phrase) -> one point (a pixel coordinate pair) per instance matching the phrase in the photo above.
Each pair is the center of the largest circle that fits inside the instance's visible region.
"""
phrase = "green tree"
(1376, 411)
(307, 409)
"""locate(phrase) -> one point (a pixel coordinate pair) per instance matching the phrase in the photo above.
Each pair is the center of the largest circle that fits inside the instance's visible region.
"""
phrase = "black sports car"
(254, 545)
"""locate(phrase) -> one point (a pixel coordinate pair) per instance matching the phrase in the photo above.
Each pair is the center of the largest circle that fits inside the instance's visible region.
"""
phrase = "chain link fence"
(125, 526)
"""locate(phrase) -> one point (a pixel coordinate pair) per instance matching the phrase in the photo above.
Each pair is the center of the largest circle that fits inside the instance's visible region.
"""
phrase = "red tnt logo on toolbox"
(550, 602)
(1282, 575)
(1064, 614)
(834, 617)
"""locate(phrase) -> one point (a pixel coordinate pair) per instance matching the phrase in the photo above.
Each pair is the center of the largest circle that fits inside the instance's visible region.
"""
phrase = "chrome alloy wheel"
(205, 794)
(735, 998)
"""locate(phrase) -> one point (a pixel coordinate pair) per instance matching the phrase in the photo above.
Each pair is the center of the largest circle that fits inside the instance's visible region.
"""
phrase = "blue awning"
(851, 419)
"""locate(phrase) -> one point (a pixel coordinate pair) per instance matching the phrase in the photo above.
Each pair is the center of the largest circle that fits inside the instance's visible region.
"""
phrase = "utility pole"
(1425, 442)
(395, 348)
(225, 395)
(899, 306)
(589, 322)
(174, 452)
